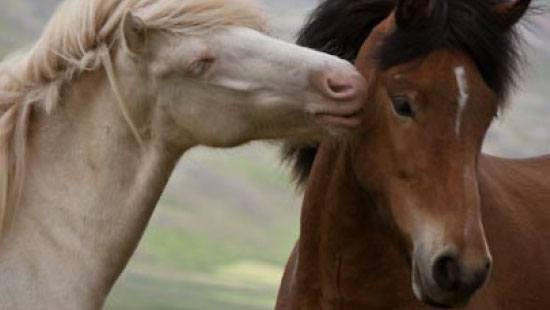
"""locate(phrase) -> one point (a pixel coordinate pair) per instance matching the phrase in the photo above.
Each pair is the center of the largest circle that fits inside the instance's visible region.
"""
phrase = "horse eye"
(403, 107)
(202, 66)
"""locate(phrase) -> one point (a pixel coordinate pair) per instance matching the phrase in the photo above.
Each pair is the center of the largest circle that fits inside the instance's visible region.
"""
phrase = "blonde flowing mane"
(81, 37)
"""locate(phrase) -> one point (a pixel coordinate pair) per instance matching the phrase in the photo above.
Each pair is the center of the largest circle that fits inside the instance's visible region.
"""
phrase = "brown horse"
(402, 200)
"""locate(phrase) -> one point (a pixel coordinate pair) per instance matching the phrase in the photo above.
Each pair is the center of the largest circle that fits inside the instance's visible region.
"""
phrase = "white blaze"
(462, 96)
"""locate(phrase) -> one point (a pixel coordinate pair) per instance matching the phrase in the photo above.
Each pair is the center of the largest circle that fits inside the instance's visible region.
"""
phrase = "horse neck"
(347, 256)
(89, 192)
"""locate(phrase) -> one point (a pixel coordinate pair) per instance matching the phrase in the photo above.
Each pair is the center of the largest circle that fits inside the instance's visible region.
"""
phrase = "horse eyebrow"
(463, 96)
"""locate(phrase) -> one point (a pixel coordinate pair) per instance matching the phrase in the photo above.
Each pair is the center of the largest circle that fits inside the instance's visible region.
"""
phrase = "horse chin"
(434, 304)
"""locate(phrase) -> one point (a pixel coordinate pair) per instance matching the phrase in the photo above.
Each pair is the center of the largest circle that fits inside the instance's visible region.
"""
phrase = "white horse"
(95, 116)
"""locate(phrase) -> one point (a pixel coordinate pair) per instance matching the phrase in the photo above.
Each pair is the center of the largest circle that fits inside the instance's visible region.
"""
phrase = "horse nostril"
(339, 86)
(339, 83)
(446, 272)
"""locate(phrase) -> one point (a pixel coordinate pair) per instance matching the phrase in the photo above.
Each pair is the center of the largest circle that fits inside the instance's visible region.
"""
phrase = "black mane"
(340, 27)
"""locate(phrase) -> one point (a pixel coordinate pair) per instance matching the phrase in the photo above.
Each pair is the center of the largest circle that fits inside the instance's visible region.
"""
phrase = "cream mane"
(81, 37)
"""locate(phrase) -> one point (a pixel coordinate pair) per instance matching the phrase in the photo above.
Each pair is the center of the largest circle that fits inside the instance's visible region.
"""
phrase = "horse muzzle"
(447, 281)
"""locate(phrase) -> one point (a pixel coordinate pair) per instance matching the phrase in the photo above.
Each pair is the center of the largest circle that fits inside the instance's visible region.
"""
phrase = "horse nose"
(339, 82)
(446, 272)
(453, 277)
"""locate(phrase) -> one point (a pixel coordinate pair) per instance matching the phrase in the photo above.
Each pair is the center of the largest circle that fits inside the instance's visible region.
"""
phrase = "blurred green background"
(222, 232)
(219, 237)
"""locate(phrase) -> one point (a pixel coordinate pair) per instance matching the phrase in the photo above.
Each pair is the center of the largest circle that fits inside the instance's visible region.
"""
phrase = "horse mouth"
(343, 117)
(345, 122)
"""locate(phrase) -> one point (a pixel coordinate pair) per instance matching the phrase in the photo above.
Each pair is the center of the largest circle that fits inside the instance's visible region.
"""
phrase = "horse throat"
(345, 244)
(90, 190)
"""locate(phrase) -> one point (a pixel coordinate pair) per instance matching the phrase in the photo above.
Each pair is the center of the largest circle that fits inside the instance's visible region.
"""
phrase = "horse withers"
(408, 211)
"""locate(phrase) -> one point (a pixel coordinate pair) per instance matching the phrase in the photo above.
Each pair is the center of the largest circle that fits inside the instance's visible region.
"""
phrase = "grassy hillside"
(219, 238)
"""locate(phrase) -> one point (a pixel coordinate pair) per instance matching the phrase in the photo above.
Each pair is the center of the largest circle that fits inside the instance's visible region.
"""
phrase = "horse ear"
(410, 11)
(510, 13)
(135, 33)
